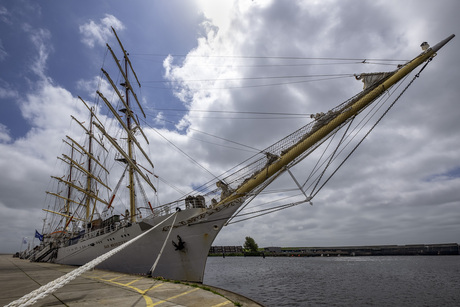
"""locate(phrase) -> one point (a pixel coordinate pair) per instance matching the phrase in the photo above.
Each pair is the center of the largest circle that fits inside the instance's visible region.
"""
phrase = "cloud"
(31, 159)
(28, 161)
(88, 87)
(98, 33)
(40, 38)
(6, 91)
(392, 165)
(3, 53)
(399, 187)
(5, 15)
(4, 134)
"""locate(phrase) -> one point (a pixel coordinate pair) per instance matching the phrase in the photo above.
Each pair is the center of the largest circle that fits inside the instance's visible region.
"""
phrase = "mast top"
(442, 43)
(126, 56)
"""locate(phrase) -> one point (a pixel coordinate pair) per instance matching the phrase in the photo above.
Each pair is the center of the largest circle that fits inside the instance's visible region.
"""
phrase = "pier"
(103, 288)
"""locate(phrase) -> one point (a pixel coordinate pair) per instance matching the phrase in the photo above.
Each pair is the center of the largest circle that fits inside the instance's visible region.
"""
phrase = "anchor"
(180, 245)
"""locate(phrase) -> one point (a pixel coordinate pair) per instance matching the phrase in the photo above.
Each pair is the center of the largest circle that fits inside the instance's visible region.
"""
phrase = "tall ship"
(171, 240)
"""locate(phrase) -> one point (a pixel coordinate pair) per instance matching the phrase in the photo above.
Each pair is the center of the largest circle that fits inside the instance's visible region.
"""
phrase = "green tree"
(251, 245)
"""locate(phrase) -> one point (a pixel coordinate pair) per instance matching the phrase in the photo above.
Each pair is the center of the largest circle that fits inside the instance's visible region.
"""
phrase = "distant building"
(273, 249)
(225, 249)
(373, 250)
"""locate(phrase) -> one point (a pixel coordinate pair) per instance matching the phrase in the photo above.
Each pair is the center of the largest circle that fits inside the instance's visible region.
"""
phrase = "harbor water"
(340, 281)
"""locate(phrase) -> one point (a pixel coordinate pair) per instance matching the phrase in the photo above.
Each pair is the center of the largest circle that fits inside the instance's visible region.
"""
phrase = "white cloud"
(392, 165)
(4, 134)
(5, 15)
(222, 13)
(88, 87)
(28, 161)
(41, 40)
(3, 53)
(6, 91)
(392, 191)
(47, 106)
(98, 33)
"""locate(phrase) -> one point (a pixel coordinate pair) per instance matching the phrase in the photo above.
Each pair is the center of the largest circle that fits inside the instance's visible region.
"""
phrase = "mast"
(88, 176)
(69, 190)
(132, 192)
(91, 197)
(129, 157)
(317, 135)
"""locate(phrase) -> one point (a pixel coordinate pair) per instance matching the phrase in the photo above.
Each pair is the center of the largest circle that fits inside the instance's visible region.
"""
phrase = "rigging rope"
(141, 188)
(183, 152)
(115, 192)
(252, 78)
(43, 291)
(270, 210)
(224, 139)
(313, 194)
(375, 108)
(332, 156)
(361, 60)
(233, 112)
(372, 128)
(252, 86)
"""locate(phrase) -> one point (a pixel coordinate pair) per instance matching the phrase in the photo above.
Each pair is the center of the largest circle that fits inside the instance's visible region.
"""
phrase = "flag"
(38, 235)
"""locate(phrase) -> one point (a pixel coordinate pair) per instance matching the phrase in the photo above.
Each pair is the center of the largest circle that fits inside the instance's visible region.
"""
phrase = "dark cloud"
(400, 186)
(383, 189)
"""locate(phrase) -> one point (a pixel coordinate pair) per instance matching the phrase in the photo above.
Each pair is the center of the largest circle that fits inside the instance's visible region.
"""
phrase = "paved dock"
(103, 288)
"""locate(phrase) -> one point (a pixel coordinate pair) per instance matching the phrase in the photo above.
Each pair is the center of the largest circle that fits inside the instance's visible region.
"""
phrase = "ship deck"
(102, 288)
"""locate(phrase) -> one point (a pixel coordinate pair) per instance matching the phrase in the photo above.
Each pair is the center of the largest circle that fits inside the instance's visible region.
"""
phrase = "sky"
(215, 67)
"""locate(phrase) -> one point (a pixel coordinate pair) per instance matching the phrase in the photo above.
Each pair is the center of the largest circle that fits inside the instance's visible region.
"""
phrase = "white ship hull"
(197, 228)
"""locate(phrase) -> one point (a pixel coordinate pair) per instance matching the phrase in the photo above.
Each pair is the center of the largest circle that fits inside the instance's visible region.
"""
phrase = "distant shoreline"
(338, 251)
(374, 250)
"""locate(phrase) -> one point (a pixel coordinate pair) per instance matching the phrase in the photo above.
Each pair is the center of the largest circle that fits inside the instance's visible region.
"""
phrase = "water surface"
(340, 281)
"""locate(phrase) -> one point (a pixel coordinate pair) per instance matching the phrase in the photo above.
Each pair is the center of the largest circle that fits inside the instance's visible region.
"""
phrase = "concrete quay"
(103, 288)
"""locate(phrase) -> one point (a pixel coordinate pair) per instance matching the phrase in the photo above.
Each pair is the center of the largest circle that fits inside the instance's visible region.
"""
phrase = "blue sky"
(52, 51)
(62, 26)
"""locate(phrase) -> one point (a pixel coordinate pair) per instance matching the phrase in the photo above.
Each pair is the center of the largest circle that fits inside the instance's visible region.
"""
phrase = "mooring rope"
(163, 247)
(56, 284)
